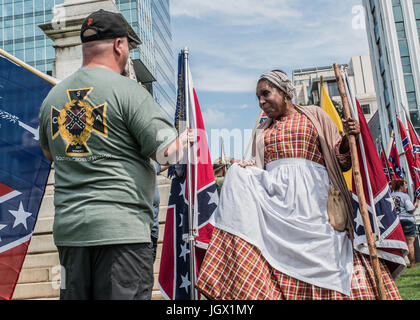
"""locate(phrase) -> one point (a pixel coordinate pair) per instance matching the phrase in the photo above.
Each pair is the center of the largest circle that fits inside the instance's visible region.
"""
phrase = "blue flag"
(23, 168)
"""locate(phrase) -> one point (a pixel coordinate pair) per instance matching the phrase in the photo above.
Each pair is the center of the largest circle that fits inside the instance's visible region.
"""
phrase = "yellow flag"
(328, 107)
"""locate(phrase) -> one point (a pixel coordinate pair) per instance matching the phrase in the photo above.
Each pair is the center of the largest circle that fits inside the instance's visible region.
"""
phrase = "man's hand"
(188, 135)
(176, 150)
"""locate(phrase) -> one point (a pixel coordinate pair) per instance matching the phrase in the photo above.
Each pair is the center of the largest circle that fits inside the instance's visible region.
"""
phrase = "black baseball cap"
(108, 25)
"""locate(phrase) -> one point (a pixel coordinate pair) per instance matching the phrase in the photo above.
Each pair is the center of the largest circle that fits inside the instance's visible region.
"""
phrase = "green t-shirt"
(102, 129)
(219, 184)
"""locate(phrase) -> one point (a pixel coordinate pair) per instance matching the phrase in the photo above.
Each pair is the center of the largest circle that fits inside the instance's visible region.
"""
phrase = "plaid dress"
(234, 269)
(295, 136)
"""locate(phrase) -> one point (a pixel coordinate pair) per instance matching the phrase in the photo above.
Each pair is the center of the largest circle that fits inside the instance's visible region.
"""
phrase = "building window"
(409, 83)
(412, 100)
(414, 116)
(403, 48)
(406, 64)
(400, 29)
(398, 15)
(366, 108)
(333, 89)
(416, 5)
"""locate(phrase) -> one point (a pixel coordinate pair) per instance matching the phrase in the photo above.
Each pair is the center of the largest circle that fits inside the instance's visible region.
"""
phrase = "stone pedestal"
(64, 30)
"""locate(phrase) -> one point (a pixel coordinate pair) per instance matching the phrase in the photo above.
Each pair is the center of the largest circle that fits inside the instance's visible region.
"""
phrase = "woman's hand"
(351, 126)
(245, 164)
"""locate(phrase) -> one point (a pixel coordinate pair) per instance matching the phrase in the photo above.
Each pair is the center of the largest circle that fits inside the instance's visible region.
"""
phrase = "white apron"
(283, 212)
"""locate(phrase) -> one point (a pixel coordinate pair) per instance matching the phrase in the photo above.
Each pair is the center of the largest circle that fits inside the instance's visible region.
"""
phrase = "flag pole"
(27, 67)
(386, 162)
(389, 146)
(252, 136)
(359, 189)
(191, 233)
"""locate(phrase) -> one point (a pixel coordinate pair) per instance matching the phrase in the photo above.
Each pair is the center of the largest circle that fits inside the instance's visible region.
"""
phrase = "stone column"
(64, 30)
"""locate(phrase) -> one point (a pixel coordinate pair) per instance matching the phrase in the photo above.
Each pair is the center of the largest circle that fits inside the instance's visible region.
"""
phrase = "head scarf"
(281, 81)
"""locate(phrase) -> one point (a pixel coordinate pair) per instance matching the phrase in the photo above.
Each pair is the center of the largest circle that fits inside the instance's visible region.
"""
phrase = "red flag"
(413, 164)
(387, 167)
(388, 234)
(394, 159)
(414, 140)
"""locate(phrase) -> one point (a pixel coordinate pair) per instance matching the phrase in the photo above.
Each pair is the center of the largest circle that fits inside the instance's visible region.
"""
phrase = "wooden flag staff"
(359, 189)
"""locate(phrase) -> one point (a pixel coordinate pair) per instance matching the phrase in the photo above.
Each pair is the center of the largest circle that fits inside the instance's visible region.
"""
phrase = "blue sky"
(233, 42)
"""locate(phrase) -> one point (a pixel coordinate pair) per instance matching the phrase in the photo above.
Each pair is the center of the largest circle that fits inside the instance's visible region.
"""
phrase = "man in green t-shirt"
(102, 129)
(219, 170)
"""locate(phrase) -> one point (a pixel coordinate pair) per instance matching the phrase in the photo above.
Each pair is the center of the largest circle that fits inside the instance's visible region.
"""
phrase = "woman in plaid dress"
(272, 236)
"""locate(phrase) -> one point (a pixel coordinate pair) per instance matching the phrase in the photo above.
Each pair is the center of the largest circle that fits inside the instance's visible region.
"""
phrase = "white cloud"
(223, 80)
(272, 34)
(215, 118)
(238, 12)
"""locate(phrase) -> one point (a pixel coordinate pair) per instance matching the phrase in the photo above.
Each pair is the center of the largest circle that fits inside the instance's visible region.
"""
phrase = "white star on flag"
(182, 220)
(184, 251)
(359, 220)
(20, 216)
(214, 198)
(2, 226)
(182, 193)
(185, 282)
(379, 221)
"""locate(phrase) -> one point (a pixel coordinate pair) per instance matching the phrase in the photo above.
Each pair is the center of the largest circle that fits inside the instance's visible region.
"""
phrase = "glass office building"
(153, 59)
(151, 21)
(20, 35)
(393, 28)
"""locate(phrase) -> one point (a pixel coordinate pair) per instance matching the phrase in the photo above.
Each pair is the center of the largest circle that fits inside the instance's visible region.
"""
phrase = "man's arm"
(47, 155)
(175, 152)
(415, 206)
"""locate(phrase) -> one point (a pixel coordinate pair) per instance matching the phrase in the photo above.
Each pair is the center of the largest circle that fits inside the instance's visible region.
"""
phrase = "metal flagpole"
(191, 233)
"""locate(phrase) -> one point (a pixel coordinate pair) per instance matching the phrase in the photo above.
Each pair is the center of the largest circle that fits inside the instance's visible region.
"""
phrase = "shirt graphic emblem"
(77, 120)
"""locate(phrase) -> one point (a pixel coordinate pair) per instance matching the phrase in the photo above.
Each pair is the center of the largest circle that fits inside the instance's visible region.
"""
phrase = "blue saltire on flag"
(23, 168)
(174, 274)
(395, 159)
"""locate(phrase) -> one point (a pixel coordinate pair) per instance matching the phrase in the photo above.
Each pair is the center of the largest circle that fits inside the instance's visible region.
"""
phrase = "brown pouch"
(336, 208)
